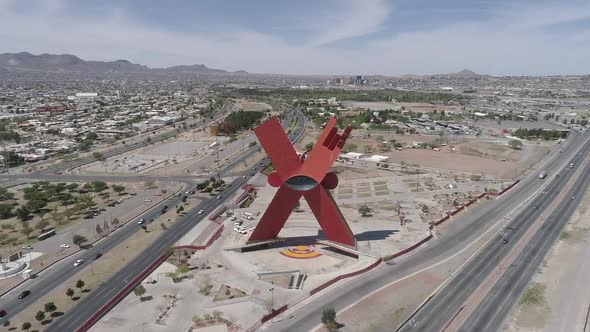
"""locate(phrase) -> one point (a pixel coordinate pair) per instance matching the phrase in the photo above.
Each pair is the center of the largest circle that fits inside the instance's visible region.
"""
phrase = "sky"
(311, 37)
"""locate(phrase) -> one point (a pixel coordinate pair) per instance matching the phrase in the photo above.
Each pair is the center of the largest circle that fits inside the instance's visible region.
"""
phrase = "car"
(238, 223)
(178, 194)
(158, 194)
(133, 194)
(27, 248)
(147, 200)
(201, 211)
(535, 207)
(232, 218)
(2, 312)
(243, 232)
(63, 245)
(188, 192)
(98, 255)
(192, 192)
(78, 262)
(218, 196)
(573, 197)
(24, 294)
(140, 221)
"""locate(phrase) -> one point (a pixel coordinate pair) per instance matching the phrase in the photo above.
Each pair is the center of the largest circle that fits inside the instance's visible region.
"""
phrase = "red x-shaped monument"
(298, 177)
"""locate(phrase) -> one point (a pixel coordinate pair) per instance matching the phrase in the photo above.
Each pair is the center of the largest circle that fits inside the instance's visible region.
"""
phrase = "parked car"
(24, 294)
(64, 245)
(28, 248)
(79, 262)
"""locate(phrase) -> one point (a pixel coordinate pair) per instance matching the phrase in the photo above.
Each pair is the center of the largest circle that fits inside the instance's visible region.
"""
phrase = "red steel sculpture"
(307, 177)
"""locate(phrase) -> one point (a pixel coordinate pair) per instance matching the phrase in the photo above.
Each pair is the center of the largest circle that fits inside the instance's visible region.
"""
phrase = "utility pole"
(271, 299)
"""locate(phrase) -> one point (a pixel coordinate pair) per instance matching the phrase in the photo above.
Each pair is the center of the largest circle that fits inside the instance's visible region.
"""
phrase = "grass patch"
(534, 295)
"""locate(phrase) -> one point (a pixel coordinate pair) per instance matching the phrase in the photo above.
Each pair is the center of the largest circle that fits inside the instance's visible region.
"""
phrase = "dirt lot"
(253, 106)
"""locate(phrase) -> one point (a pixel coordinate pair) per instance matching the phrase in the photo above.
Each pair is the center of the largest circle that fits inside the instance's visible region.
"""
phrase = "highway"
(450, 300)
(460, 232)
(54, 276)
(495, 307)
(87, 307)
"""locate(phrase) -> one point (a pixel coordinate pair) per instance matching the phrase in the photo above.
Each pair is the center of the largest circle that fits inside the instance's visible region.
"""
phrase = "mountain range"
(64, 63)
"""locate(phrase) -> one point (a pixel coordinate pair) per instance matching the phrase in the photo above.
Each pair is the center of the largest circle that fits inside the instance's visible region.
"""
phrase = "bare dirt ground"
(468, 155)
(558, 297)
(253, 106)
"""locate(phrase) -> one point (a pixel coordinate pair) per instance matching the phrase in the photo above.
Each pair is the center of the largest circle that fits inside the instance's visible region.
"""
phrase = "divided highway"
(447, 304)
(78, 315)
(56, 275)
(468, 226)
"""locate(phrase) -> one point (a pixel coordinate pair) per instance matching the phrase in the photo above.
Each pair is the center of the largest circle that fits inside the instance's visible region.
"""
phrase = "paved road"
(462, 231)
(100, 296)
(493, 310)
(447, 303)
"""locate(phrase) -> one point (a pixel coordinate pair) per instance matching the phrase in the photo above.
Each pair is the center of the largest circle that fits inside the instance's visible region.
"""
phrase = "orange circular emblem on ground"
(301, 252)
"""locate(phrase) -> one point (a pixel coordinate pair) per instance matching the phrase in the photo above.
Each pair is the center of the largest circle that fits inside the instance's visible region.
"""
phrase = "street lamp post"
(271, 299)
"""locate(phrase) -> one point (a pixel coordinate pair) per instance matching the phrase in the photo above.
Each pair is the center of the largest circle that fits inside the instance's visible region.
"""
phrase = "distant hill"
(25, 61)
(464, 73)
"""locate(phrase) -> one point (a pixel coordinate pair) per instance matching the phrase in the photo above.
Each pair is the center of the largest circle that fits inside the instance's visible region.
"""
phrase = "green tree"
(70, 292)
(180, 209)
(99, 186)
(36, 205)
(6, 323)
(98, 156)
(12, 159)
(79, 240)
(515, 144)
(5, 194)
(118, 189)
(139, 291)
(40, 316)
(329, 319)
(364, 210)
(50, 307)
(6, 210)
(98, 229)
(26, 326)
(80, 284)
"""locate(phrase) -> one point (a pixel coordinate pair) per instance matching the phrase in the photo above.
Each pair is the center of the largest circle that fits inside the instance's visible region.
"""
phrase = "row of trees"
(535, 133)
(340, 94)
(240, 120)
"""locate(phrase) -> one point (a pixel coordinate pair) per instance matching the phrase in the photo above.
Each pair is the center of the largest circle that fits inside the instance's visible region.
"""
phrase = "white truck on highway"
(214, 144)
(542, 175)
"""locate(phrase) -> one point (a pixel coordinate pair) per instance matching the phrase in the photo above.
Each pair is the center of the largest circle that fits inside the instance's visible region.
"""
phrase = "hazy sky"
(501, 37)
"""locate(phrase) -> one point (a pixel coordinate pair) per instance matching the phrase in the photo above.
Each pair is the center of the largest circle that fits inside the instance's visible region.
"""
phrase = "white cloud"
(348, 19)
(500, 45)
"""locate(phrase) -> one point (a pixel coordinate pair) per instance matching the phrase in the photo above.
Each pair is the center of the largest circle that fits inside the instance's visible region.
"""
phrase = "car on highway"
(63, 245)
(218, 197)
(98, 255)
(573, 197)
(141, 221)
(28, 248)
(178, 194)
(78, 262)
(24, 294)
(2, 312)
(201, 211)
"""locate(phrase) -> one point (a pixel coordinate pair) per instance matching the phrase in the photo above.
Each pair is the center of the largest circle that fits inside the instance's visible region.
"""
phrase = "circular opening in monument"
(301, 183)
